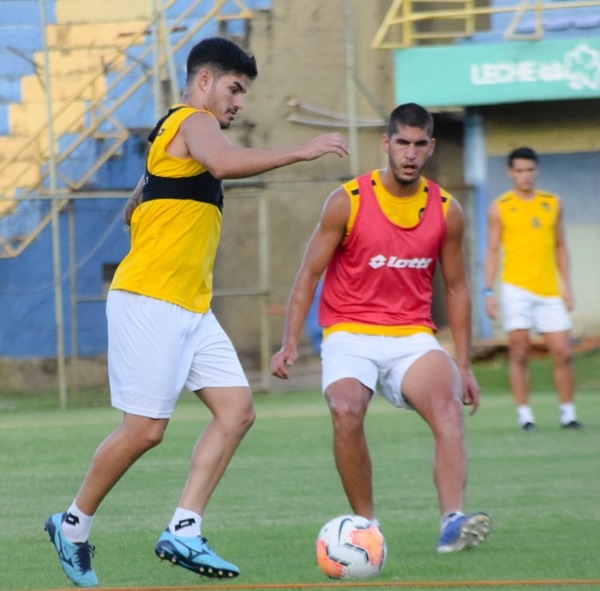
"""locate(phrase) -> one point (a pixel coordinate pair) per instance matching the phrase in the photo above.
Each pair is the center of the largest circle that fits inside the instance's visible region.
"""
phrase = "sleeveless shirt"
(380, 280)
(175, 231)
(529, 241)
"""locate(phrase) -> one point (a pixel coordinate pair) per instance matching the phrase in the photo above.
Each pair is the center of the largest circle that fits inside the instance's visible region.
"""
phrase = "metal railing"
(414, 22)
(98, 120)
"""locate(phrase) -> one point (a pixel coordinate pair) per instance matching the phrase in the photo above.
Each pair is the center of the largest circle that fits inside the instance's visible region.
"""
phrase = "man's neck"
(525, 195)
(397, 189)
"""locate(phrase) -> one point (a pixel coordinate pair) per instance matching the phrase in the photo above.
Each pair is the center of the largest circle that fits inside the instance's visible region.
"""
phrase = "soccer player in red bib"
(378, 242)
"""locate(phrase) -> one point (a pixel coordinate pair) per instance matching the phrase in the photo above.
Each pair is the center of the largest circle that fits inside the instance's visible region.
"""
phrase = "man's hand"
(491, 306)
(282, 360)
(568, 299)
(470, 389)
(326, 143)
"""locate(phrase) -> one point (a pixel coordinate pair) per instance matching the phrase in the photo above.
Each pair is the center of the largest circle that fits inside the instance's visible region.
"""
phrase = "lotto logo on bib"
(395, 263)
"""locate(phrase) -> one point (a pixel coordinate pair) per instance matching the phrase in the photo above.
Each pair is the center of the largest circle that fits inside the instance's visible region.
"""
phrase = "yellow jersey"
(405, 212)
(176, 229)
(529, 241)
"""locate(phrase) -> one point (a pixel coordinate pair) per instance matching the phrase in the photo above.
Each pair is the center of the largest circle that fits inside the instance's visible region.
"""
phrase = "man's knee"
(563, 357)
(246, 419)
(142, 433)
(238, 421)
(348, 407)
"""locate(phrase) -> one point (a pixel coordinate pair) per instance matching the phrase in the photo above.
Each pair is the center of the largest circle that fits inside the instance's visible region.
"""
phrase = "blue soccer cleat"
(194, 554)
(75, 559)
(466, 531)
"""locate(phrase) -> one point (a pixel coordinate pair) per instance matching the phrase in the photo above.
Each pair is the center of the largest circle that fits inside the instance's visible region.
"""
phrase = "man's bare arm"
(492, 259)
(325, 239)
(204, 140)
(563, 262)
(458, 301)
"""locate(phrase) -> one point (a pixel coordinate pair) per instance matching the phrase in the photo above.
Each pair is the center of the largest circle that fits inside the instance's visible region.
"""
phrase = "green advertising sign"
(514, 71)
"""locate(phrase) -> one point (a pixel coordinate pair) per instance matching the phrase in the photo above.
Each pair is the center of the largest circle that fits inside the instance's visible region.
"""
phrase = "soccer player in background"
(378, 241)
(526, 225)
(162, 335)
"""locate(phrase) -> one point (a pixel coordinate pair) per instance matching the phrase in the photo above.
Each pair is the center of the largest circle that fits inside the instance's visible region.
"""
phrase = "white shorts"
(156, 348)
(374, 361)
(524, 310)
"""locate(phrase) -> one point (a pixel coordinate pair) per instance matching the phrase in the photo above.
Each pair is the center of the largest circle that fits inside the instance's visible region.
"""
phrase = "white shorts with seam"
(156, 348)
(378, 362)
(525, 310)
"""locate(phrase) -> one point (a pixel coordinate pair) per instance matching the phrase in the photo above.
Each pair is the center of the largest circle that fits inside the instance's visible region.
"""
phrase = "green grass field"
(541, 489)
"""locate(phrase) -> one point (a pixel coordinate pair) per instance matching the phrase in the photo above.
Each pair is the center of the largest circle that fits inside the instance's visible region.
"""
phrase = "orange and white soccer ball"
(350, 547)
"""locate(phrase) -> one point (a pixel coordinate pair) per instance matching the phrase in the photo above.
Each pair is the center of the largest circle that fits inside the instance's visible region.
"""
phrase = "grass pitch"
(540, 488)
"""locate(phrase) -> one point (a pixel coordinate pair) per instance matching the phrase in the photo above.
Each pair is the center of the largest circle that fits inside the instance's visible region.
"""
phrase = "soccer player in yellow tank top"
(526, 225)
(162, 334)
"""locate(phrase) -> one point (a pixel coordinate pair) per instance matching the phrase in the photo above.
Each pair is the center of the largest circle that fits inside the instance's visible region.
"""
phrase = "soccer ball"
(350, 547)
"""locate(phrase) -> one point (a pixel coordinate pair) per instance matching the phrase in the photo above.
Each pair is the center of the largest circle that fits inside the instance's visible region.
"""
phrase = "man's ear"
(432, 146)
(204, 78)
(385, 142)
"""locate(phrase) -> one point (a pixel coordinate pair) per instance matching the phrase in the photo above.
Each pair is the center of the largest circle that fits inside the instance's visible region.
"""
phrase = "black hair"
(525, 153)
(222, 56)
(411, 115)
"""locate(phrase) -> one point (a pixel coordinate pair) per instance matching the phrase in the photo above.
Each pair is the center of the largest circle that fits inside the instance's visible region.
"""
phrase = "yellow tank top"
(174, 240)
(404, 212)
(529, 241)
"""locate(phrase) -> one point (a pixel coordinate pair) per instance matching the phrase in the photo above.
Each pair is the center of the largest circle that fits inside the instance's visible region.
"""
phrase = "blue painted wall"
(28, 323)
(27, 308)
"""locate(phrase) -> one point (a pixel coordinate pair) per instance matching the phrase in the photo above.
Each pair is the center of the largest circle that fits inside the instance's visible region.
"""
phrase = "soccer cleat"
(573, 425)
(466, 531)
(75, 559)
(529, 426)
(194, 554)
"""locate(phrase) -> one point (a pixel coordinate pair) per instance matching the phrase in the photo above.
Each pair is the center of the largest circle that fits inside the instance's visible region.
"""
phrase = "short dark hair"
(525, 153)
(412, 115)
(222, 56)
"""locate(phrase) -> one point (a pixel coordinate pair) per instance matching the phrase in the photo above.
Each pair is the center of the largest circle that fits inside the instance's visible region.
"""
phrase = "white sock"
(449, 517)
(525, 414)
(185, 523)
(567, 413)
(77, 525)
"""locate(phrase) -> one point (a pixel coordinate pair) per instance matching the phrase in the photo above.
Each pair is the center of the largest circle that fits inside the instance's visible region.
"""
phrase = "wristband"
(488, 292)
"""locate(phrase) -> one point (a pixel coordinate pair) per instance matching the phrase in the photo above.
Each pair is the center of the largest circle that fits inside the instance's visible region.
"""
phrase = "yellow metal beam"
(22, 179)
(402, 18)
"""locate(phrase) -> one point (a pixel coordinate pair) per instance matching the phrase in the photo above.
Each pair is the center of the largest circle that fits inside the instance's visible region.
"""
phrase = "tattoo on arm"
(133, 201)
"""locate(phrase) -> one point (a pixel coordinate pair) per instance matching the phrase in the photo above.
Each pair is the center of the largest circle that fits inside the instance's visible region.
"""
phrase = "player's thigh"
(432, 384)
(148, 358)
(402, 354)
